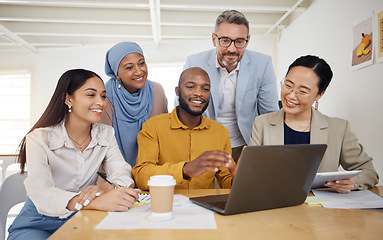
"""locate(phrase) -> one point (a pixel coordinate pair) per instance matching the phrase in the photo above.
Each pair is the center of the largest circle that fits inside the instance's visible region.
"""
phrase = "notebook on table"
(268, 177)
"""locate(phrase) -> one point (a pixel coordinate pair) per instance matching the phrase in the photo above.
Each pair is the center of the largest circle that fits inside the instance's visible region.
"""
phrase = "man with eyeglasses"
(243, 83)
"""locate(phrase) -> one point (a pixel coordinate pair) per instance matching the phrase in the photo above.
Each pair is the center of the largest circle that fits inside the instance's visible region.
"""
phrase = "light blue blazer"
(256, 87)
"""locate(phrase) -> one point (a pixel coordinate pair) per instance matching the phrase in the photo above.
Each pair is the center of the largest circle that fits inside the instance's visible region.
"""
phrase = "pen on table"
(111, 183)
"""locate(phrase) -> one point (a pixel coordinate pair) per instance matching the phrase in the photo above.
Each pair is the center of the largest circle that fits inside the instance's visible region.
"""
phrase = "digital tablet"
(321, 178)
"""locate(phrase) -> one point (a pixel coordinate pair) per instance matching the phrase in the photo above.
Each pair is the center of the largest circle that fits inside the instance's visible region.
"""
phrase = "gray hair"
(232, 16)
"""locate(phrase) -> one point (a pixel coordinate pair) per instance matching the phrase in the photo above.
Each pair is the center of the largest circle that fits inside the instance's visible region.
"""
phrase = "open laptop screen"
(270, 177)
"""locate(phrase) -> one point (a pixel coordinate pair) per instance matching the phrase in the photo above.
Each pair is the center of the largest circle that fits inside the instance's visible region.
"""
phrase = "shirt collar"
(58, 136)
(176, 123)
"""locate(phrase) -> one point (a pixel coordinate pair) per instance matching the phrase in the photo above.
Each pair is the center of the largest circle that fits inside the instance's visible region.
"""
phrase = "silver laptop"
(268, 177)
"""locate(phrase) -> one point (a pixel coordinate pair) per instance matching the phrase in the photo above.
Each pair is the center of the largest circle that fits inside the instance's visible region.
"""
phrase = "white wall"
(325, 29)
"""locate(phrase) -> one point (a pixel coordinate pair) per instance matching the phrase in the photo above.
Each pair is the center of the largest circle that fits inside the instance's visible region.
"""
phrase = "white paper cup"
(161, 188)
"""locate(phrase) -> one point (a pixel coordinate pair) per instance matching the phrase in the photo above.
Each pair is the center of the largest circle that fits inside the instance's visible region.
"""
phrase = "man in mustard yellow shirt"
(183, 143)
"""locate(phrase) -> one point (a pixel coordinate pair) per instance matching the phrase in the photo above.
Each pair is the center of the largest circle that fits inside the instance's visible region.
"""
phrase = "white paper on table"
(352, 200)
(186, 216)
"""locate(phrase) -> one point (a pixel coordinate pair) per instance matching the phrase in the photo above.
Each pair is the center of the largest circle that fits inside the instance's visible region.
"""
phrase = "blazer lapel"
(319, 128)
(214, 81)
(242, 82)
(277, 129)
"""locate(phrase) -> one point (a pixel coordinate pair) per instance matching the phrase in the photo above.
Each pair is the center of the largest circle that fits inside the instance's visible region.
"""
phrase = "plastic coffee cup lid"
(161, 181)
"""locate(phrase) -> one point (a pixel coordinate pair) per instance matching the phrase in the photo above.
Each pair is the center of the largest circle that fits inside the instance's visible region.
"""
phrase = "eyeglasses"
(287, 87)
(226, 42)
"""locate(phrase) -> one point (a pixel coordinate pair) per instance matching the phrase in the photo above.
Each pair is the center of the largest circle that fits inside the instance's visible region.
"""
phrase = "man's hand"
(209, 161)
(232, 168)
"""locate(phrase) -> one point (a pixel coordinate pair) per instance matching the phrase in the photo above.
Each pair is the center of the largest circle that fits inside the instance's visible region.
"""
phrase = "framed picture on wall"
(362, 43)
(379, 35)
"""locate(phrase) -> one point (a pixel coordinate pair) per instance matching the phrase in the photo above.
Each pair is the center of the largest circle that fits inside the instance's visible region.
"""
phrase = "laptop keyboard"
(218, 204)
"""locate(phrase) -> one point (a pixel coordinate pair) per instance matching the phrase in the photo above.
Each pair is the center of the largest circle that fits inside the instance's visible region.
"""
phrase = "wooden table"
(298, 222)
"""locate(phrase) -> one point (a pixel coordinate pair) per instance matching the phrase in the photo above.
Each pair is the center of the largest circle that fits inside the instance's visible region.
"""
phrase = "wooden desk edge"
(86, 220)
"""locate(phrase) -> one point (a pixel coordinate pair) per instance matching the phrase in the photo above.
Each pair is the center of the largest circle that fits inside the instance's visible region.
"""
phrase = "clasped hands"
(105, 198)
(209, 161)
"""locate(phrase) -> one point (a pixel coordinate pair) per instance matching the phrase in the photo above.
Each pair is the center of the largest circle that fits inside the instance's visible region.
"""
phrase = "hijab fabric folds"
(130, 111)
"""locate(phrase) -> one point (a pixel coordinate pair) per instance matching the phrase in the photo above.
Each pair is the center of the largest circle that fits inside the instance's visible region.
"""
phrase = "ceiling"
(42, 24)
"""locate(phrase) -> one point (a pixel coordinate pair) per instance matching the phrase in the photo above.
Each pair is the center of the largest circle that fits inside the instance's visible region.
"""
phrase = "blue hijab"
(130, 110)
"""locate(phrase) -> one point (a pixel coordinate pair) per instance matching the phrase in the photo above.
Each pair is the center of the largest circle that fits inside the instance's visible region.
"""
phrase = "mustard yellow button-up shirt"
(165, 145)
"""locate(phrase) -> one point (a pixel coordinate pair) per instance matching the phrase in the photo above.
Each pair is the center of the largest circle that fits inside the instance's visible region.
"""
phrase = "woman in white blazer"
(299, 123)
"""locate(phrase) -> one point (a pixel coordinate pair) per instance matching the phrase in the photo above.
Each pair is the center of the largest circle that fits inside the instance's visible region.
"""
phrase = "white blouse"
(57, 171)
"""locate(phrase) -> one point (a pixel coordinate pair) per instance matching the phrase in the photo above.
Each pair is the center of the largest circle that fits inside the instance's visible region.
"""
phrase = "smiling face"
(194, 91)
(133, 72)
(229, 57)
(87, 102)
(300, 91)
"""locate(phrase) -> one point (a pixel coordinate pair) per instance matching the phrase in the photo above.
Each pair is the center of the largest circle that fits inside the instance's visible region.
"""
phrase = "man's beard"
(226, 64)
(184, 106)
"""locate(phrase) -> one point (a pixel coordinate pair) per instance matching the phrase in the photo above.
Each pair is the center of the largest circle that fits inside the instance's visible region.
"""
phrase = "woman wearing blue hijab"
(133, 98)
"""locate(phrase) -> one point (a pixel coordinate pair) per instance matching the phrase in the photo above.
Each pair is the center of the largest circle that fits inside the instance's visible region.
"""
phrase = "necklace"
(304, 130)
(79, 144)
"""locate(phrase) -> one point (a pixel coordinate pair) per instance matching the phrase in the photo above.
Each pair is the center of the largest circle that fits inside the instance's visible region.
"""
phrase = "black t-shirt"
(295, 137)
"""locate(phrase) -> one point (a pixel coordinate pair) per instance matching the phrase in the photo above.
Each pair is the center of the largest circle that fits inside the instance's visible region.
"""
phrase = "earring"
(119, 82)
(316, 105)
(69, 108)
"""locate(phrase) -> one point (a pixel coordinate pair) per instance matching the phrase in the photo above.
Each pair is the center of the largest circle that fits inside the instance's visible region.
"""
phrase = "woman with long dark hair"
(63, 152)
